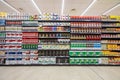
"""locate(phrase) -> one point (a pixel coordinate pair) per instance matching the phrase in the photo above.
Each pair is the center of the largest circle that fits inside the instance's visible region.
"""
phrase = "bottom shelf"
(60, 65)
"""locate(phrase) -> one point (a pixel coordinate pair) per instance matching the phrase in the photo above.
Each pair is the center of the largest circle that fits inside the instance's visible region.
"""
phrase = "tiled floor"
(60, 73)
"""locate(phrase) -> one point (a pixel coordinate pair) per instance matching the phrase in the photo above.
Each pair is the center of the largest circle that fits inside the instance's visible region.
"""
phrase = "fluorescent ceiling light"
(111, 9)
(9, 6)
(89, 7)
(36, 6)
(62, 7)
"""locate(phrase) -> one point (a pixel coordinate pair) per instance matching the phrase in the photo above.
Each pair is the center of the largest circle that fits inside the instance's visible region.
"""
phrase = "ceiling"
(71, 7)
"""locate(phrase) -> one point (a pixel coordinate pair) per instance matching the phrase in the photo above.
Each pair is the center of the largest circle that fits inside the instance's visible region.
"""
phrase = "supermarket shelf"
(56, 25)
(110, 21)
(54, 38)
(20, 20)
(91, 56)
(29, 43)
(104, 21)
(59, 65)
(29, 37)
(105, 38)
(2, 56)
(2, 25)
(14, 31)
(18, 25)
(53, 56)
(85, 33)
(109, 43)
(83, 27)
(13, 37)
(85, 49)
(69, 20)
(2, 49)
(111, 32)
(2, 37)
(54, 43)
(29, 49)
(54, 49)
(29, 25)
(2, 31)
(30, 31)
(85, 20)
(13, 43)
(111, 49)
(2, 43)
(55, 32)
(53, 20)
(110, 26)
(86, 41)
(11, 49)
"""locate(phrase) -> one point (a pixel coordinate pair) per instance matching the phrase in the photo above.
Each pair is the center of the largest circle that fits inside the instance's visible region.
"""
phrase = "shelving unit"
(85, 41)
(2, 41)
(110, 40)
(59, 41)
(54, 39)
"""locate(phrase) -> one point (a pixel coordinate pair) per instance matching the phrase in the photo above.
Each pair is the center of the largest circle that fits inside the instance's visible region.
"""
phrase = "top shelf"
(105, 21)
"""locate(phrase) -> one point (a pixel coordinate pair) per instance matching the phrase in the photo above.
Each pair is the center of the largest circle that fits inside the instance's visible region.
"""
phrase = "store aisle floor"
(60, 73)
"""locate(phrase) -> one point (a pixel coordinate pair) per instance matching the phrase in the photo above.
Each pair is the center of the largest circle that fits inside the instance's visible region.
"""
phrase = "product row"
(110, 36)
(13, 34)
(29, 46)
(54, 23)
(85, 53)
(2, 34)
(82, 18)
(30, 35)
(93, 53)
(110, 17)
(113, 46)
(54, 41)
(111, 41)
(55, 53)
(86, 24)
(2, 28)
(21, 16)
(30, 29)
(85, 30)
(111, 30)
(111, 25)
(85, 45)
(110, 47)
(52, 16)
(10, 47)
(113, 60)
(53, 47)
(53, 29)
(60, 53)
(110, 53)
(54, 35)
(36, 60)
(30, 23)
(29, 41)
(2, 22)
(8, 22)
(53, 60)
(12, 41)
(86, 37)
(12, 28)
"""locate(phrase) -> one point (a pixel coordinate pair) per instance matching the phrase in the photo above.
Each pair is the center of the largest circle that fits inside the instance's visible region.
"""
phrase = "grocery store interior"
(60, 39)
